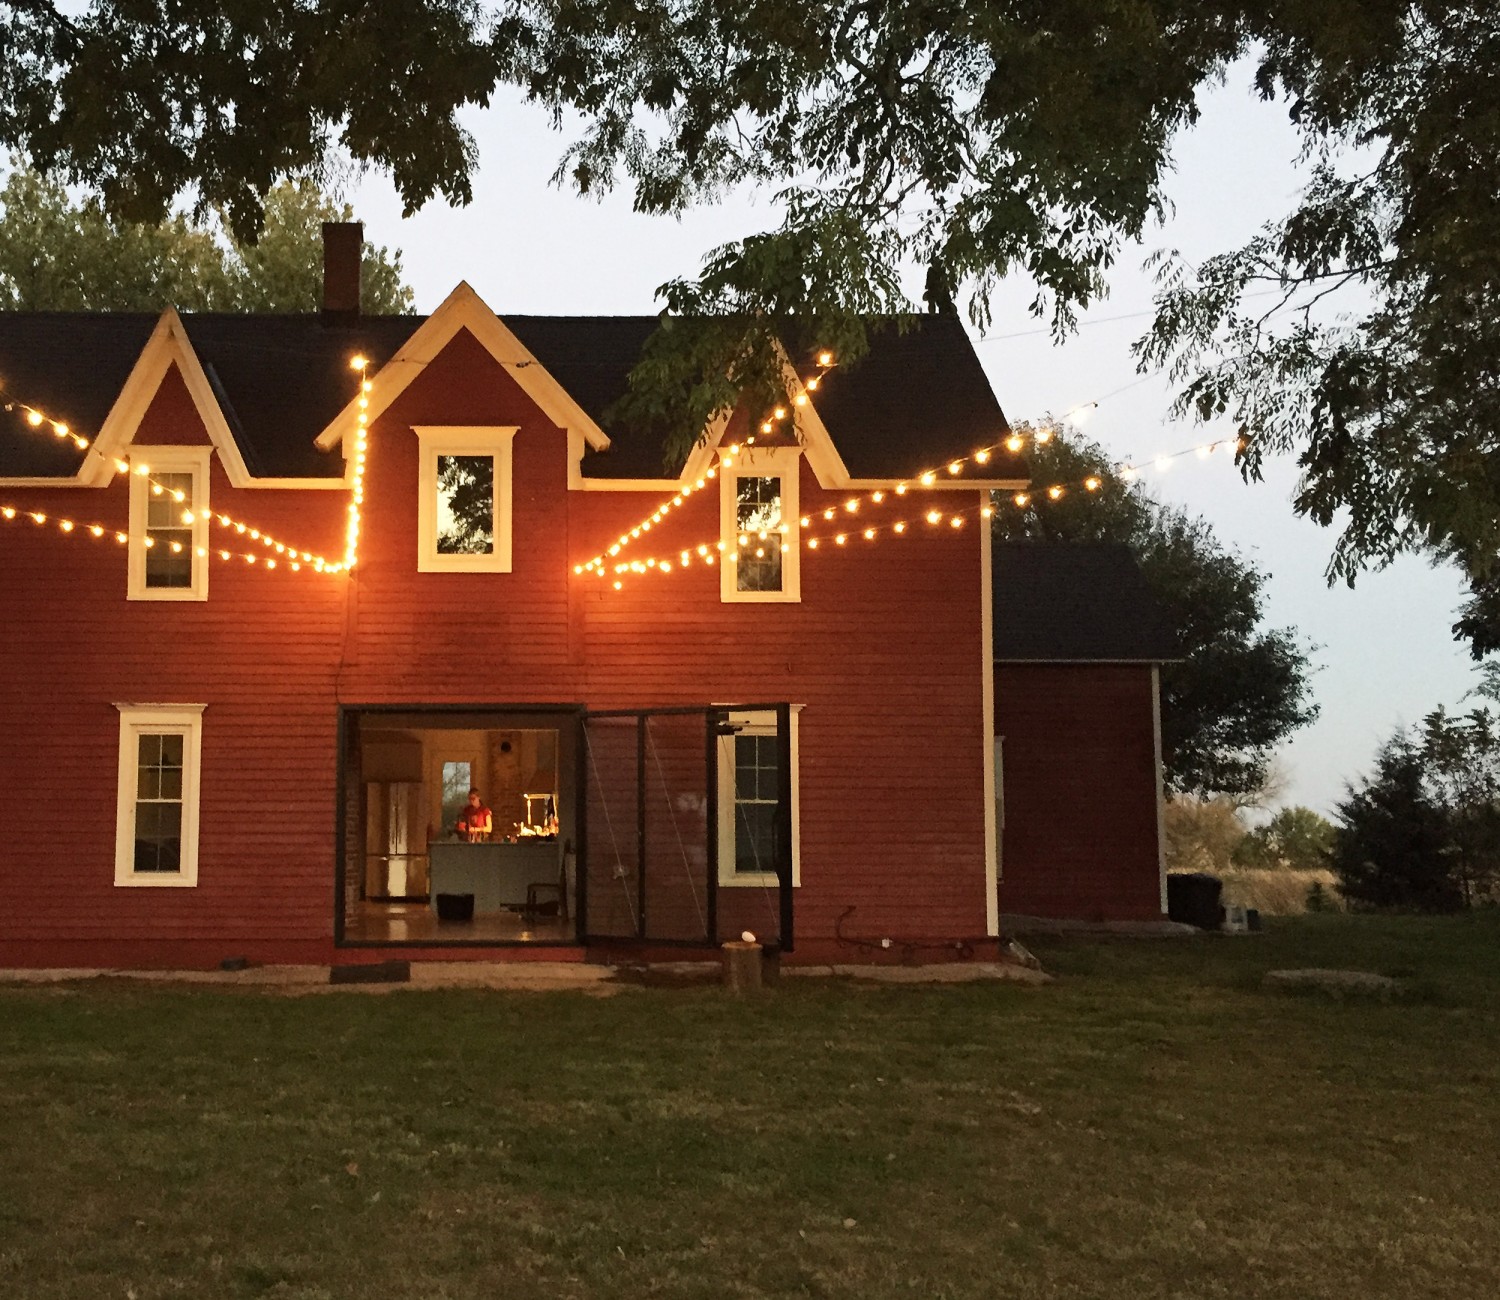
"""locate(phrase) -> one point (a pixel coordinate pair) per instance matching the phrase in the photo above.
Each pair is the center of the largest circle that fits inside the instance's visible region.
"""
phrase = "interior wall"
(504, 763)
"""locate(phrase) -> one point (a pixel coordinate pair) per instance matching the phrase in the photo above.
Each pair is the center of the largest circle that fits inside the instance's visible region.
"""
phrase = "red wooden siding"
(883, 651)
(1080, 834)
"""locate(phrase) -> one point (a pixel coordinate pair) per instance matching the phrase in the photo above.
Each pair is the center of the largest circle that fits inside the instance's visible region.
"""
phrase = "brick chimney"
(343, 242)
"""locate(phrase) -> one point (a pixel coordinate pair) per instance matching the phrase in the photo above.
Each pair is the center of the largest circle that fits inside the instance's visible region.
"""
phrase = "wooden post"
(742, 966)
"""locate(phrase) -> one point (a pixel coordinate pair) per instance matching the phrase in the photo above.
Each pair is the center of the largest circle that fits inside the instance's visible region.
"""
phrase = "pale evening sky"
(1384, 652)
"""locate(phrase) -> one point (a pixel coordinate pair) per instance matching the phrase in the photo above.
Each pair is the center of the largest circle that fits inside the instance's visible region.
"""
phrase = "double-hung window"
(464, 506)
(168, 549)
(758, 523)
(750, 758)
(156, 821)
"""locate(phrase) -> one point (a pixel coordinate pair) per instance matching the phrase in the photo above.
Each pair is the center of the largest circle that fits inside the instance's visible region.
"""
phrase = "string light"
(599, 564)
(36, 418)
(935, 518)
(726, 459)
(1015, 441)
(705, 554)
(98, 531)
(361, 450)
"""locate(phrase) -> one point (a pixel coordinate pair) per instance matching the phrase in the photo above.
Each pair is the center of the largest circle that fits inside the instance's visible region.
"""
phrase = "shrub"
(1391, 847)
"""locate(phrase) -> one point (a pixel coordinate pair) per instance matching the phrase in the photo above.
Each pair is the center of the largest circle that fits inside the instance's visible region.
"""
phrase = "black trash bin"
(455, 907)
(1193, 898)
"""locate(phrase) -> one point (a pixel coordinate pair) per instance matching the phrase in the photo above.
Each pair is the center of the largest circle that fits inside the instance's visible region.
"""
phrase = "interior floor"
(415, 923)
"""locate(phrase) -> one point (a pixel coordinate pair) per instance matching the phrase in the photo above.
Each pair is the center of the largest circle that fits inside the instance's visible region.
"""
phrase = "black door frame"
(347, 712)
(716, 724)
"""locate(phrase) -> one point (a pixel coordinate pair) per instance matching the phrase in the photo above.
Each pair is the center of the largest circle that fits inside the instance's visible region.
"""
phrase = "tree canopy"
(977, 141)
(62, 254)
(1296, 838)
(1240, 688)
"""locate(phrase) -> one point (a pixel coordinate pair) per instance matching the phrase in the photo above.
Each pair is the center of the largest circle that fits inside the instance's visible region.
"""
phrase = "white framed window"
(749, 778)
(464, 502)
(758, 525)
(156, 821)
(168, 552)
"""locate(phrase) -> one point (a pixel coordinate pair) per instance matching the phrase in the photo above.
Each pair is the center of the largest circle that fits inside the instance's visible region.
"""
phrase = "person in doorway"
(476, 821)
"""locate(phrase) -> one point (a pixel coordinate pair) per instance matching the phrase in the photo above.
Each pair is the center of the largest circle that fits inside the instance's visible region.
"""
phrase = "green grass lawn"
(1152, 1124)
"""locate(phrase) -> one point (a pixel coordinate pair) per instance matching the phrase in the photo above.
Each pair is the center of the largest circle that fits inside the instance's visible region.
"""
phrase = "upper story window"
(758, 517)
(168, 550)
(464, 506)
(156, 826)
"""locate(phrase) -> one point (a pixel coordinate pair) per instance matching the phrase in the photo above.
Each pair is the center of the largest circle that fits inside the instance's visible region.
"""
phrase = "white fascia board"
(465, 309)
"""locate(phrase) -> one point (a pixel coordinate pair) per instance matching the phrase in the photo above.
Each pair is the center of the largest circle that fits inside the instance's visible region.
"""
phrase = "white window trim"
(167, 460)
(760, 722)
(785, 464)
(464, 440)
(185, 720)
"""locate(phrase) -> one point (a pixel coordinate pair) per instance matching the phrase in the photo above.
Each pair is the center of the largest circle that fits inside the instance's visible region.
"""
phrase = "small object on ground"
(455, 907)
(770, 964)
(235, 963)
(1019, 953)
(1193, 897)
(742, 966)
(1252, 919)
(1234, 920)
(1340, 983)
(377, 972)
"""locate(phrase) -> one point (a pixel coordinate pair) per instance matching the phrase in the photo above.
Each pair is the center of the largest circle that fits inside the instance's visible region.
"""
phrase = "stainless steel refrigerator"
(395, 840)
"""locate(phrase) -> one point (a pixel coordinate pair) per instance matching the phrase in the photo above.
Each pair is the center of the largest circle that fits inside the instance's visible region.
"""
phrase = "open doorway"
(459, 826)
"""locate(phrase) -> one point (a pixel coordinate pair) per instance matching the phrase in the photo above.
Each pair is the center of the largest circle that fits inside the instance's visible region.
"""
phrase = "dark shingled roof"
(71, 365)
(918, 399)
(281, 380)
(1059, 602)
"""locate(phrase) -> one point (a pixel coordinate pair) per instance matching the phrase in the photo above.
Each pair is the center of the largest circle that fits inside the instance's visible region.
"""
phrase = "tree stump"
(742, 966)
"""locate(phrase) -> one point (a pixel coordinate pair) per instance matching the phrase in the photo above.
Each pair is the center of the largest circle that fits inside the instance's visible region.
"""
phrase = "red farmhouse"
(269, 628)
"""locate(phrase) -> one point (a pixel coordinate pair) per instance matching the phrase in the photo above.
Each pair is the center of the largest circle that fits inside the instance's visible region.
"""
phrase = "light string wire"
(719, 551)
(1014, 441)
(360, 364)
(72, 526)
(726, 458)
(294, 558)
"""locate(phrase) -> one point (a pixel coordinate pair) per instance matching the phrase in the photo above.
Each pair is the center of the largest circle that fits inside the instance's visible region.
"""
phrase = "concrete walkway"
(1014, 923)
(527, 976)
(533, 976)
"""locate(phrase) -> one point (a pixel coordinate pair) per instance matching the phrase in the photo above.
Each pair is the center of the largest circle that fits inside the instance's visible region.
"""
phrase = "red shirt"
(479, 820)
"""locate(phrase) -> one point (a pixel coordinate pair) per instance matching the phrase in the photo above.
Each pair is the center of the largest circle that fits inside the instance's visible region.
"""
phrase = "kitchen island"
(498, 875)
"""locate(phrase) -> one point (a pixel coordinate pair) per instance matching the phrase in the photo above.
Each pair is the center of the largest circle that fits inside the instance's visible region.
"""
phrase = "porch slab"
(968, 972)
(533, 976)
(1162, 929)
(277, 976)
